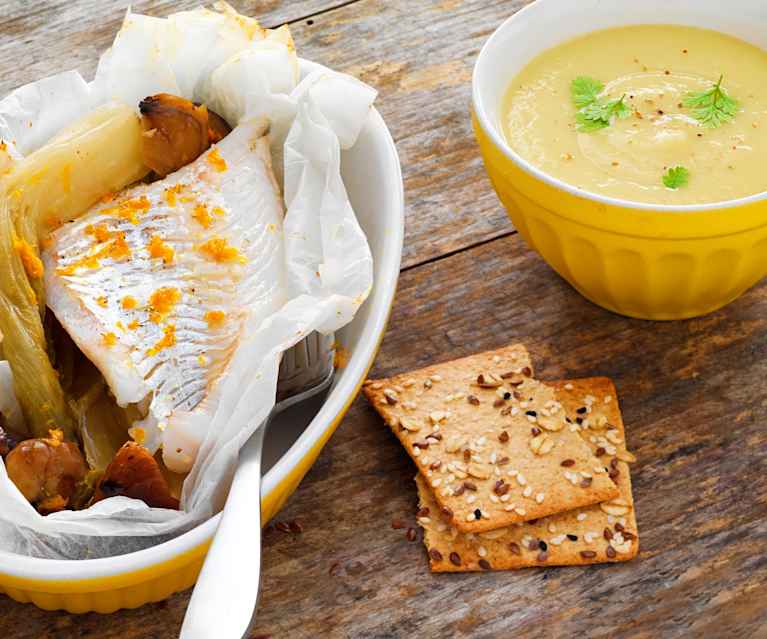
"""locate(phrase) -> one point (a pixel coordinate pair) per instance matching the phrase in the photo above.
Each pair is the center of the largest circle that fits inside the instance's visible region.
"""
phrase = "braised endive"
(56, 183)
(36, 382)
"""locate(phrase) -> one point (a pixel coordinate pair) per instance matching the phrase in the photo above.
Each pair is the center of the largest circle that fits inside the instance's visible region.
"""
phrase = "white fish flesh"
(155, 285)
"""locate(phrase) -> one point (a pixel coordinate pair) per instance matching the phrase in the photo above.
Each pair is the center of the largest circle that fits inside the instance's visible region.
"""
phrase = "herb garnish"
(595, 113)
(599, 115)
(676, 177)
(712, 108)
(585, 90)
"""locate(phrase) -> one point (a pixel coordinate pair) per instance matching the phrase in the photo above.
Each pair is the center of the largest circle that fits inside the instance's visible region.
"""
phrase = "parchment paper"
(239, 70)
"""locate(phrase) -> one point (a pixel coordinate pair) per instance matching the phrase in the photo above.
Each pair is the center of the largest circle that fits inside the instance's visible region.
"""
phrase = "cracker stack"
(513, 472)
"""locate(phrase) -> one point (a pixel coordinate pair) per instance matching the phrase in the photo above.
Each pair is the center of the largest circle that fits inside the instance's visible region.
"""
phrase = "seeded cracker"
(489, 439)
(604, 532)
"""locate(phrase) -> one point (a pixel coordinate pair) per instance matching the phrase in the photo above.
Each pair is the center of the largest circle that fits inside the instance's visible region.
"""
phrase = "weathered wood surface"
(693, 393)
(419, 54)
(42, 38)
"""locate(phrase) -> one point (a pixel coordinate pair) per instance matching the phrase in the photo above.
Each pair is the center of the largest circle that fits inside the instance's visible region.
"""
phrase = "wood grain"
(46, 37)
(694, 404)
(420, 54)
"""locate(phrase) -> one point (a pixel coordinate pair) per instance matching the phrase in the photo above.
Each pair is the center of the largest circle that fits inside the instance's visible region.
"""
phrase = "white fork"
(225, 598)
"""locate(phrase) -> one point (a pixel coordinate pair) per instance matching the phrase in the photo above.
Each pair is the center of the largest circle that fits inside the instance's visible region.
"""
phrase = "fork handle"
(224, 600)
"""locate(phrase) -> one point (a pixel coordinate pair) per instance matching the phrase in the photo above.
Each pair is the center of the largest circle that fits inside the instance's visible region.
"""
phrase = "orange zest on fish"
(119, 248)
(99, 231)
(171, 192)
(216, 161)
(162, 302)
(88, 262)
(115, 248)
(158, 249)
(203, 217)
(130, 209)
(219, 250)
(215, 319)
(129, 302)
(168, 340)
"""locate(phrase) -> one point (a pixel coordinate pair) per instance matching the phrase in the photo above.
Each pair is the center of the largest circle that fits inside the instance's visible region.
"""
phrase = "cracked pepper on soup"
(648, 113)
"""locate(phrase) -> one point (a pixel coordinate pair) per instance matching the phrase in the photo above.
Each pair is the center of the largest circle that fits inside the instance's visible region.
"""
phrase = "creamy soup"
(640, 113)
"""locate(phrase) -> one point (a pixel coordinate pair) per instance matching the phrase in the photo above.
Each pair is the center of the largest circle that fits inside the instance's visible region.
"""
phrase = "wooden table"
(693, 393)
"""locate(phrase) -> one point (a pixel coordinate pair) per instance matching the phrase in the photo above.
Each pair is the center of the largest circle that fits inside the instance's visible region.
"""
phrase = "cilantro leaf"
(585, 90)
(619, 108)
(600, 114)
(712, 108)
(591, 118)
(676, 177)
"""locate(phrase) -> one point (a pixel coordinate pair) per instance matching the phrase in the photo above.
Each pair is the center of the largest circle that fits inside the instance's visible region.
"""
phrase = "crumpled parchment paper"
(240, 70)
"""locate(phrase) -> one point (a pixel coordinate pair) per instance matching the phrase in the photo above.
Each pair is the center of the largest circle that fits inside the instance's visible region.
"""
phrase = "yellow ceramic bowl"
(371, 173)
(647, 261)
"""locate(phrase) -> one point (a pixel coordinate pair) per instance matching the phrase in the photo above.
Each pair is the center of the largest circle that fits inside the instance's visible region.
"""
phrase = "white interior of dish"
(373, 180)
(547, 23)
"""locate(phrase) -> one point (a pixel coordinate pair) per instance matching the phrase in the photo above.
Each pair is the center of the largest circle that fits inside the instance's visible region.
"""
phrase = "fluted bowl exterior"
(647, 261)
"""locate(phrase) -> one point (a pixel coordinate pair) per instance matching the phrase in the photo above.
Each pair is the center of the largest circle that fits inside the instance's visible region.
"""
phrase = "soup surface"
(639, 113)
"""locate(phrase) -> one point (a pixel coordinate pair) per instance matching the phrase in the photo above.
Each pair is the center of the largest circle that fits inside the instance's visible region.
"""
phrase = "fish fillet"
(155, 285)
